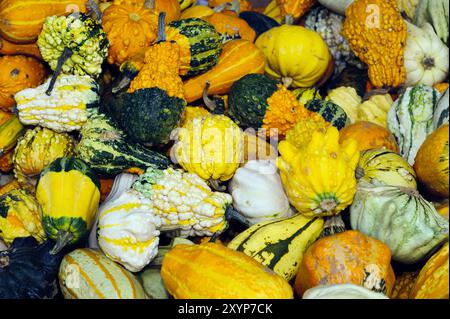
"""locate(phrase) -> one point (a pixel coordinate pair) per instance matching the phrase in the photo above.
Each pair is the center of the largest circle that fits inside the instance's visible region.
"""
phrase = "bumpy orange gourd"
(231, 27)
(377, 34)
(403, 285)
(348, 257)
(21, 20)
(11, 48)
(433, 280)
(238, 58)
(432, 162)
(130, 27)
(17, 73)
(213, 271)
(288, 10)
(369, 135)
(160, 69)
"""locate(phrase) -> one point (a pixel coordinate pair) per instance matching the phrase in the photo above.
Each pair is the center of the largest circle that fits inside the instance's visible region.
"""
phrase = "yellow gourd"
(375, 109)
(347, 98)
(295, 55)
(319, 178)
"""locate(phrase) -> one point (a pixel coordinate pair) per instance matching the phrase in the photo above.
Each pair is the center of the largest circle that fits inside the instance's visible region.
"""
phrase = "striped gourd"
(387, 167)
(88, 274)
(304, 95)
(441, 114)
(22, 20)
(330, 111)
(411, 119)
(279, 244)
(200, 45)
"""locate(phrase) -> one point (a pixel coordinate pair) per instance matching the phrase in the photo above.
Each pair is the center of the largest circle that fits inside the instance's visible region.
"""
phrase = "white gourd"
(338, 6)
(441, 115)
(426, 57)
(258, 193)
(342, 291)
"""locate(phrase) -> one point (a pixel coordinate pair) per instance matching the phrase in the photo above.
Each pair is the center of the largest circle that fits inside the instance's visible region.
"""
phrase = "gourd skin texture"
(10, 131)
(385, 167)
(197, 11)
(211, 147)
(279, 244)
(98, 277)
(369, 136)
(319, 178)
(18, 73)
(399, 217)
(348, 257)
(287, 11)
(20, 216)
(441, 114)
(433, 281)
(375, 109)
(65, 110)
(342, 291)
(84, 37)
(431, 163)
(213, 271)
(294, 55)
(347, 99)
(130, 28)
(426, 57)
(231, 27)
(238, 58)
(377, 34)
(258, 193)
(170, 7)
(73, 209)
(301, 134)
(411, 119)
(37, 149)
(403, 285)
(22, 20)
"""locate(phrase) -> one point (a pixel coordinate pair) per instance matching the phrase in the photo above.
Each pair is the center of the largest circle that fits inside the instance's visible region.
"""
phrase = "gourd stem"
(161, 28)
(149, 4)
(210, 104)
(222, 6)
(4, 261)
(231, 214)
(65, 55)
(289, 19)
(216, 186)
(287, 81)
(124, 82)
(63, 239)
(359, 173)
(92, 6)
(214, 237)
(333, 225)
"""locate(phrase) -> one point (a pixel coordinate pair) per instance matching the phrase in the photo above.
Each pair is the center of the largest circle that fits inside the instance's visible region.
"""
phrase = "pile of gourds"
(224, 149)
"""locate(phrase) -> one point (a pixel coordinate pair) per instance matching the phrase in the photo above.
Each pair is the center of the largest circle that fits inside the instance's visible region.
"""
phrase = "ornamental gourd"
(98, 277)
(20, 216)
(258, 193)
(108, 151)
(238, 58)
(231, 27)
(378, 39)
(411, 119)
(342, 291)
(81, 47)
(69, 194)
(436, 13)
(408, 7)
(300, 173)
(369, 136)
(37, 149)
(22, 20)
(403, 285)
(289, 58)
(441, 114)
(28, 270)
(10, 131)
(18, 73)
(66, 108)
(288, 11)
(385, 167)
(130, 27)
(362, 260)
(330, 112)
(279, 244)
(338, 6)
(401, 218)
(375, 109)
(211, 147)
(170, 7)
(301, 134)
(433, 281)
(185, 264)
(426, 57)
(347, 99)
(258, 21)
(431, 163)
(257, 101)
(197, 11)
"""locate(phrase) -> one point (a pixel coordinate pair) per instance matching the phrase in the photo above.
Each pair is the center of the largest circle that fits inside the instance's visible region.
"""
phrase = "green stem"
(161, 28)
(65, 55)
(63, 239)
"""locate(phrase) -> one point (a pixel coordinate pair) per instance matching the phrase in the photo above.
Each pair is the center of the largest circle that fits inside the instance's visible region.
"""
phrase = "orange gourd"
(6, 162)
(105, 187)
(21, 20)
(238, 58)
(231, 27)
(433, 280)
(244, 5)
(17, 73)
(130, 27)
(403, 285)
(369, 136)
(288, 11)
(348, 257)
(11, 48)
(170, 7)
